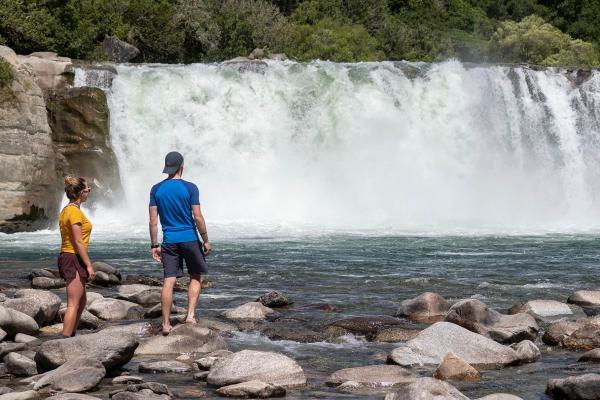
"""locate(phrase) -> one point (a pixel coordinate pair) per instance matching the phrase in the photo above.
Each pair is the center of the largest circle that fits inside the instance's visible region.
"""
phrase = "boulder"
(274, 299)
(3, 334)
(559, 331)
(87, 320)
(76, 375)
(527, 351)
(104, 279)
(247, 365)
(73, 396)
(432, 344)
(455, 368)
(54, 329)
(368, 326)
(395, 334)
(591, 356)
(50, 70)
(19, 365)
(585, 298)
(587, 337)
(210, 359)
(137, 329)
(13, 322)
(253, 311)
(92, 297)
(112, 350)
(405, 357)
(8, 347)
(164, 367)
(427, 389)
(583, 387)
(252, 389)
(373, 376)
(41, 282)
(500, 396)
(41, 305)
(215, 325)
(5, 389)
(118, 50)
(113, 309)
(475, 316)
(27, 339)
(542, 308)
(142, 391)
(427, 307)
(186, 338)
(42, 272)
(26, 395)
(145, 297)
(156, 311)
(106, 268)
(127, 379)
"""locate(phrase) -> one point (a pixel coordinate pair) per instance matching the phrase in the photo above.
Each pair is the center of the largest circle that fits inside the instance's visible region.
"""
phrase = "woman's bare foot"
(191, 320)
(166, 330)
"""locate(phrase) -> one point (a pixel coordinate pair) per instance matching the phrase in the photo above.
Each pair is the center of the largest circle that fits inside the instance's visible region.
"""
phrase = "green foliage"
(6, 73)
(331, 40)
(535, 41)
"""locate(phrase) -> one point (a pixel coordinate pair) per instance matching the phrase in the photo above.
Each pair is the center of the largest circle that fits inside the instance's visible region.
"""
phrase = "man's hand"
(91, 273)
(207, 248)
(156, 254)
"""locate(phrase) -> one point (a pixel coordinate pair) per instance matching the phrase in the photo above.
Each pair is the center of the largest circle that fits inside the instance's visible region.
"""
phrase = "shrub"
(6, 73)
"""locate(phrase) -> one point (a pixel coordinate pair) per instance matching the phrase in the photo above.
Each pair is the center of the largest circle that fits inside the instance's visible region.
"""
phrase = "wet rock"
(542, 308)
(112, 350)
(405, 357)
(177, 367)
(137, 329)
(73, 396)
(591, 356)
(5, 389)
(293, 333)
(142, 391)
(27, 339)
(527, 351)
(215, 325)
(20, 365)
(92, 297)
(274, 299)
(118, 50)
(432, 344)
(87, 321)
(9, 347)
(372, 376)
(47, 302)
(140, 294)
(587, 337)
(559, 331)
(113, 309)
(500, 396)
(106, 268)
(26, 395)
(3, 334)
(210, 359)
(201, 376)
(186, 338)
(455, 368)
(591, 311)
(395, 335)
(104, 279)
(585, 298)
(127, 379)
(427, 389)
(247, 365)
(244, 64)
(583, 387)
(427, 307)
(252, 389)
(475, 316)
(41, 282)
(368, 326)
(76, 375)
(156, 311)
(43, 272)
(248, 312)
(13, 322)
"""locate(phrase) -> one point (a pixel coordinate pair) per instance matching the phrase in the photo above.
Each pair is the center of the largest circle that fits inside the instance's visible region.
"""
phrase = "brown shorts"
(69, 265)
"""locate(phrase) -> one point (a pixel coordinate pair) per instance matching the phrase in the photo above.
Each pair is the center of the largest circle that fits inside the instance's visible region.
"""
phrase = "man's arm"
(201, 225)
(153, 210)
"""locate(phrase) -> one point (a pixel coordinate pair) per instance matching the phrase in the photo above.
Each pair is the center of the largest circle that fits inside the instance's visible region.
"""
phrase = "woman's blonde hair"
(74, 186)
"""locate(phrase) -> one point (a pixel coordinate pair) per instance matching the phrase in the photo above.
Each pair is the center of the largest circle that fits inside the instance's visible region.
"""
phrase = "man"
(177, 203)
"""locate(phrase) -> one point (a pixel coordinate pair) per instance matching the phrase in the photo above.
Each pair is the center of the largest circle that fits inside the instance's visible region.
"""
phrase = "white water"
(372, 146)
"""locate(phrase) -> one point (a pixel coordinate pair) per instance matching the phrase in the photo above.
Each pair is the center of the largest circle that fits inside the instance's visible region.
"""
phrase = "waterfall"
(395, 146)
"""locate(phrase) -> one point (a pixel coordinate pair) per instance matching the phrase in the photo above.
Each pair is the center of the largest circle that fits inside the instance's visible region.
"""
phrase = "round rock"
(274, 299)
(373, 376)
(455, 368)
(585, 298)
(252, 389)
(427, 388)
(176, 367)
(427, 307)
(253, 311)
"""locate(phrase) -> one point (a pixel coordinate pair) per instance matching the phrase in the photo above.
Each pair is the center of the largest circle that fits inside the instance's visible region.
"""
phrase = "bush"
(6, 73)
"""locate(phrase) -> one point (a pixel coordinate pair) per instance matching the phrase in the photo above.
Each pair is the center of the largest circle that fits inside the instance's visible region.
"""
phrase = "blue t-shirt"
(174, 199)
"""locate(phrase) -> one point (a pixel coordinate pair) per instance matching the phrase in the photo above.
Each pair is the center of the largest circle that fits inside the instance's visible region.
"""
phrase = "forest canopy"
(545, 32)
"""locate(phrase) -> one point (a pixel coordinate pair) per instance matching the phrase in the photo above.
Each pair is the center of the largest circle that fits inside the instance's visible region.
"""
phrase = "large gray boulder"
(87, 320)
(76, 375)
(252, 389)
(112, 351)
(274, 299)
(43, 283)
(586, 337)
(41, 305)
(247, 365)
(253, 311)
(185, 338)
(73, 396)
(140, 294)
(432, 344)
(543, 308)
(455, 368)
(591, 356)
(373, 376)
(114, 309)
(559, 331)
(527, 351)
(583, 387)
(26, 395)
(475, 316)
(138, 329)
(118, 50)
(500, 396)
(168, 366)
(13, 322)
(369, 326)
(427, 389)
(143, 391)
(19, 365)
(585, 298)
(427, 307)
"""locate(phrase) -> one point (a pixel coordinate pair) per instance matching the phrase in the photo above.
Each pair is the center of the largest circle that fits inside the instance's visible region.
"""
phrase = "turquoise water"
(361, 275)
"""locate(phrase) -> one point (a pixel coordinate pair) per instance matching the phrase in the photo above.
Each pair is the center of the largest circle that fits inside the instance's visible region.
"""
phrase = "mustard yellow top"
(70, 215)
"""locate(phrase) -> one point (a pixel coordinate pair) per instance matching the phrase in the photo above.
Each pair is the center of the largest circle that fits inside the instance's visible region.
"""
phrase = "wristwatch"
(154, 246)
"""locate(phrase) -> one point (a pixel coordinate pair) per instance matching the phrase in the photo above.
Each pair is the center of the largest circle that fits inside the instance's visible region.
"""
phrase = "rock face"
(585, 298)
(432, 344)
(76, 375)
(477, 317)
(111, 350)
(455, 368)
(118, 50)
(373, 376)
(584, 387)
(28, 168)
(427, 389)
(427, 307)
(246, 365)
(252, 389)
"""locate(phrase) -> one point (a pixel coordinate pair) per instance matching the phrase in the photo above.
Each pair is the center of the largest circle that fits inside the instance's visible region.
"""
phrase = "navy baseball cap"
(173, 161)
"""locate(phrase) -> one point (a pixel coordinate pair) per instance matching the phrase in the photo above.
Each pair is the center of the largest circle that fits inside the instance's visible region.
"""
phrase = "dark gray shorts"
(173, 255)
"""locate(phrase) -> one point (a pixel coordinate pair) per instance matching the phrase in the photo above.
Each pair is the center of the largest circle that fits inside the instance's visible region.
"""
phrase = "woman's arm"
(81, 250)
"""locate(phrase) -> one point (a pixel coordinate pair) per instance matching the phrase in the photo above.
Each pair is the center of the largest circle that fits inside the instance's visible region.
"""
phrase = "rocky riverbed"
(270, 343)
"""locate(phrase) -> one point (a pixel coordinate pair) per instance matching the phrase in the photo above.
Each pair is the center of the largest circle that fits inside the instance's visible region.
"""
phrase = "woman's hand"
(91, 272)
(156, 253)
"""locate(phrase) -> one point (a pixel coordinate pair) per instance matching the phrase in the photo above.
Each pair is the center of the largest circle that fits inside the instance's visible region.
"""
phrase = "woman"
(74, 264)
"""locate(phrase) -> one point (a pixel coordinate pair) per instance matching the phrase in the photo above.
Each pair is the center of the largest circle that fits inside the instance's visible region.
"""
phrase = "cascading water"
(372, 146)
